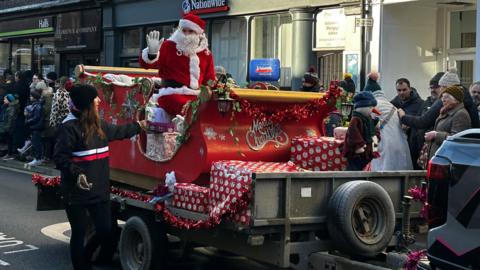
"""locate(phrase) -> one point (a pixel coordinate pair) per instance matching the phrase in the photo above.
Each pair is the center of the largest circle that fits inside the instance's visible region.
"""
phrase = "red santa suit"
(187, 70)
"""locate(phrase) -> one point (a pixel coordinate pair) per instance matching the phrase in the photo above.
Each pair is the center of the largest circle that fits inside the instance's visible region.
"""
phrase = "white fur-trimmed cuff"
(179, 90)
(146, 59)
(189, 24)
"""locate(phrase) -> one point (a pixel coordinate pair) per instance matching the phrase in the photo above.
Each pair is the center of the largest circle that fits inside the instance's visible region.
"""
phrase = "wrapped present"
(191, 197)
(230, 186)
(318, 153)
(161, 146)
(339, 133)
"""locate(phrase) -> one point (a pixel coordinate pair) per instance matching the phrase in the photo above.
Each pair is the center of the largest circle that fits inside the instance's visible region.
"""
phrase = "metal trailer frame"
(288, 215)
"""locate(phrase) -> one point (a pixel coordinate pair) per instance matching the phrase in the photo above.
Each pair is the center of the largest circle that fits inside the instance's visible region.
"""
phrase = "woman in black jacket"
(81, 154)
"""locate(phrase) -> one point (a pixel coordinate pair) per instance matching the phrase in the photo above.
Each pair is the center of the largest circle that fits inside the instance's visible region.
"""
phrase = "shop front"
(27, 44)
(51, 43)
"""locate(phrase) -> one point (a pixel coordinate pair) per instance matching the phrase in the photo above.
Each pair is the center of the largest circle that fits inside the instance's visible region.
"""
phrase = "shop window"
(4, 55)
(131, 41)
(165, 30)
(329, 67)
(462, 29)
(229, 47)
(272, 38)
(44, 55)
(21, 54)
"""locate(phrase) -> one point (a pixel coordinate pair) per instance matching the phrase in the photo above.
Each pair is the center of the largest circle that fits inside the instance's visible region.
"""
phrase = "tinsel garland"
(295, 112)
(413, 258)
(210, 222)
(46, 181)
(419, 194)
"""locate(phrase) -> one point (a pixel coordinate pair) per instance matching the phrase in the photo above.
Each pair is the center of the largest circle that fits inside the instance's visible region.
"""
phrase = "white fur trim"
(145, 57)
(194, 71)
(180, 90)
(189, 24)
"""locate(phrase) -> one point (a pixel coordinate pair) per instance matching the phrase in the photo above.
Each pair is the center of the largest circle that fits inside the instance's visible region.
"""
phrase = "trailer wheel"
(361, 218)
(140, 247)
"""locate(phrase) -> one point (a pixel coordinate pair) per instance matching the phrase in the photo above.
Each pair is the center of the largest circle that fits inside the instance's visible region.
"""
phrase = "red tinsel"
(419, 194)
(413, 258)
(45, 181)
(295, 112)
(131, 194)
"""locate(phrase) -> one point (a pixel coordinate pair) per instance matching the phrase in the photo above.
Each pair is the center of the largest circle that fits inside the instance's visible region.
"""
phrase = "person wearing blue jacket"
(36, 124)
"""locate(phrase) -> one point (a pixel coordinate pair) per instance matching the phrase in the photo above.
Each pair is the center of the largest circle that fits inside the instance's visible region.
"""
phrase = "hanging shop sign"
(204, 6)
(330, 29)
(79, 30)
(24, 27)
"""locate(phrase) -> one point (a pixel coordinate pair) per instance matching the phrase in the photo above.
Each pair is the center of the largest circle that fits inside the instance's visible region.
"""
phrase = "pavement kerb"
(20, 167)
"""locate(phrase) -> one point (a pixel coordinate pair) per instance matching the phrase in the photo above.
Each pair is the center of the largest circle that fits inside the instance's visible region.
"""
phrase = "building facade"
(416, 39)
(299, 33)
(45, 36)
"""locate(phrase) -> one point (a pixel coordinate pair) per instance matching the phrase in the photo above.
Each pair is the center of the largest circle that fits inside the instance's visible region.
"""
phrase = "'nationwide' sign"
(204, 6)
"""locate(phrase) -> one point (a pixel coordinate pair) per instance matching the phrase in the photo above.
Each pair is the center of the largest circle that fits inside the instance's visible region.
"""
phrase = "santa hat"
(193, 22)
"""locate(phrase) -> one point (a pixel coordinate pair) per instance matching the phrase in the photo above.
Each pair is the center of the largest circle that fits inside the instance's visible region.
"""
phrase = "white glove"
(82, 182)
(154, 42)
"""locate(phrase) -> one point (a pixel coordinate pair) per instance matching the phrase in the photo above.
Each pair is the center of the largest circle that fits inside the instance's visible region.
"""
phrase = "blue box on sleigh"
(264, 70)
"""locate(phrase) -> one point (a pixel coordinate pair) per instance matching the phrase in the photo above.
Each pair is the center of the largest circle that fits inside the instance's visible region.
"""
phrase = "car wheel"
(361, 218)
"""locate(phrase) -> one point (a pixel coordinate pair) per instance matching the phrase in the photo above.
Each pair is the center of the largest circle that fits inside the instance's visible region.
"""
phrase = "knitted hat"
(193, 22)
(347, 76)
(36, 94)
(311, 76)
(372, 85)
(435, 79)
(449, 78)
(10, 97)
(82, 96)
(364, 99)
(456, 91)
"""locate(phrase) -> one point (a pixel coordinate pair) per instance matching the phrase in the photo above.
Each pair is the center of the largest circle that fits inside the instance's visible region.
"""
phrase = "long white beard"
(189, 44)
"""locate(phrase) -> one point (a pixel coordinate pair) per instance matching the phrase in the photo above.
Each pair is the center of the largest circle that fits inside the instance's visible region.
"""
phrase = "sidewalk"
(46, 169)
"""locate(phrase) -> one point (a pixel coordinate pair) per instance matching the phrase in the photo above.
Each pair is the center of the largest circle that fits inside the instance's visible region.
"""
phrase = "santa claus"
(184, 62)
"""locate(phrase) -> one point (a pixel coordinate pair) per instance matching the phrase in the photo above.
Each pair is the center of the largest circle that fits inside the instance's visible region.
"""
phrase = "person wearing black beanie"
(81, 154)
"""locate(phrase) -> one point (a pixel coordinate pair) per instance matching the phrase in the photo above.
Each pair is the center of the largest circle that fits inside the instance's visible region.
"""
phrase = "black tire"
(353, 202)
(141, 246)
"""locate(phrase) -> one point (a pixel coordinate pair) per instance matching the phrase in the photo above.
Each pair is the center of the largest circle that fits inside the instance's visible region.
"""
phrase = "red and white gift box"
(230, 184)
(191, 197)
(318, 153)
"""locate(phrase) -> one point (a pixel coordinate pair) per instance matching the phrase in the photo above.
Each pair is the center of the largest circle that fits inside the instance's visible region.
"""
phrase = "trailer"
(291, 215)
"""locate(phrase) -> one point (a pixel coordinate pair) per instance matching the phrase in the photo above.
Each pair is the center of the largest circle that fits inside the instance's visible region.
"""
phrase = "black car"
(453, 199)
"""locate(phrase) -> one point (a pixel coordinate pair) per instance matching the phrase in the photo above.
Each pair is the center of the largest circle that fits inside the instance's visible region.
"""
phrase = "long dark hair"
(89, 122)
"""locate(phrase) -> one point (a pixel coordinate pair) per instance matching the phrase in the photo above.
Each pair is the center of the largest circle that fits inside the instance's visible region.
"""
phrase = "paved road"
(23, 246)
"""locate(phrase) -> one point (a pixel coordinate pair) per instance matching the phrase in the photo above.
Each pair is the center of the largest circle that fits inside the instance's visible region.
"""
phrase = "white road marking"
(56, 231)
(4, 263)
(30, 248)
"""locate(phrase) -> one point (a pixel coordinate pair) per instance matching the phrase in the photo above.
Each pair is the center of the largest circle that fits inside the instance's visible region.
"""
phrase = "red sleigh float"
(214, 135)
